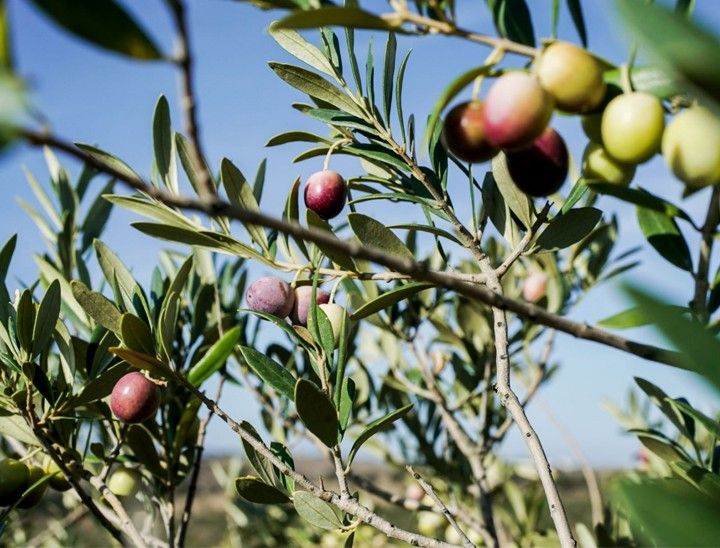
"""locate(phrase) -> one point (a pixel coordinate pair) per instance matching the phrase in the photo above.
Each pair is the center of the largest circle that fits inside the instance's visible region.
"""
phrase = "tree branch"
(419, 271)
(348, 505)
(467, 543)
(699, 302)
(187, 99)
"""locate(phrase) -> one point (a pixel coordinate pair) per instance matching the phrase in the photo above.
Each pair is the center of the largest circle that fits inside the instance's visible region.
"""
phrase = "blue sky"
(96, 97)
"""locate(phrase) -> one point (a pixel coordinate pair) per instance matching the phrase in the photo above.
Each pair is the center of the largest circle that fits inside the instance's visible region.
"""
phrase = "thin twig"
(348, 505)
(407, 266)
(465, 444)
(401, 16)
(522, 245)
(699, 302)
(55, 527)
(189, 103)
(467, 543)
(200, 441)
(596, 504)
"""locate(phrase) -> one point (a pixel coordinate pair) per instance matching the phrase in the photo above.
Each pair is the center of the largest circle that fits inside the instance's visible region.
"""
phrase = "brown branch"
(522, 245)
(511, 402)
(403, 15)
(418, 271)
(699, 302)
(189, 104)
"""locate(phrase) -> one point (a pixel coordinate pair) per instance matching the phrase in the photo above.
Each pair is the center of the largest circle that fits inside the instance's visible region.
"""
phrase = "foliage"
(416, 355)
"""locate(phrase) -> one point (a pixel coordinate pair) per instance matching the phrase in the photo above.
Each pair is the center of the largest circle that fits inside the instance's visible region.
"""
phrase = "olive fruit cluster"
(632, 129)
(515, 114)
(274, 296)
(16, 477)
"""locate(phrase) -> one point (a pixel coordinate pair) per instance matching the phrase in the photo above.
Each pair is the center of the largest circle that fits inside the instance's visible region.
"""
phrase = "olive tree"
(423, 329)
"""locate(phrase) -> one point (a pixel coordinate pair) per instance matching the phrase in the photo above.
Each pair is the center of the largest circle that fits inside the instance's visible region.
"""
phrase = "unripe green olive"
(34, 497)
(124, 482)
(58, 480)
(14, 476)
(632, 127)
(599, 166)
(691, 147)
(572, 76)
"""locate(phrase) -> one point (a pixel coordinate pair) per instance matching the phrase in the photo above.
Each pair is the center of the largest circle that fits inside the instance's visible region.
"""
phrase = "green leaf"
(698, 348)
(116, 272)
(136, 335)
(632, 317)
(569, 228)
(450, 91)
(97, 306)
(711, 425)
(668, 512)
(163, 143)
(141, 361)
(642, 198)
(687, 50)
(317, 412)
(648, 79)
(513, 21)
(47, 317)
(143, 447)
(399, 94)
(25, 321)
(701, 478)
(663, 234)
(315, 86)
(109, 160)
(104, 23)
(215, 357)
(15, 427)
(101, 386)
(578, 190)
(334, 16)
(295, 137)
(518, 202)
(321, 328)
(342, 260)
(254, 490)
(186, 154)
(282, 324)
(315, 511)
(389, 73)
(347, 397)
(663, 449)
(241, 194)
(298, 47)
(258, 461)
(270, 371)
(389, 298)
(373, 428)
(576, 13)
(373, 233)
(428, 229)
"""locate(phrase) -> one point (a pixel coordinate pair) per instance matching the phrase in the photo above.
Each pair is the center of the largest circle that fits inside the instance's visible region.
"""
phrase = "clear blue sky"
(97, 97)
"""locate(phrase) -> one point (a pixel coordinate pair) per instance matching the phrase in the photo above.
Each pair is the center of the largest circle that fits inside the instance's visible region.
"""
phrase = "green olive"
(124, 482)
(14, 477)
(35, 495)
(58, 480)
(599, 166)
(691, 147)
(632, 127)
